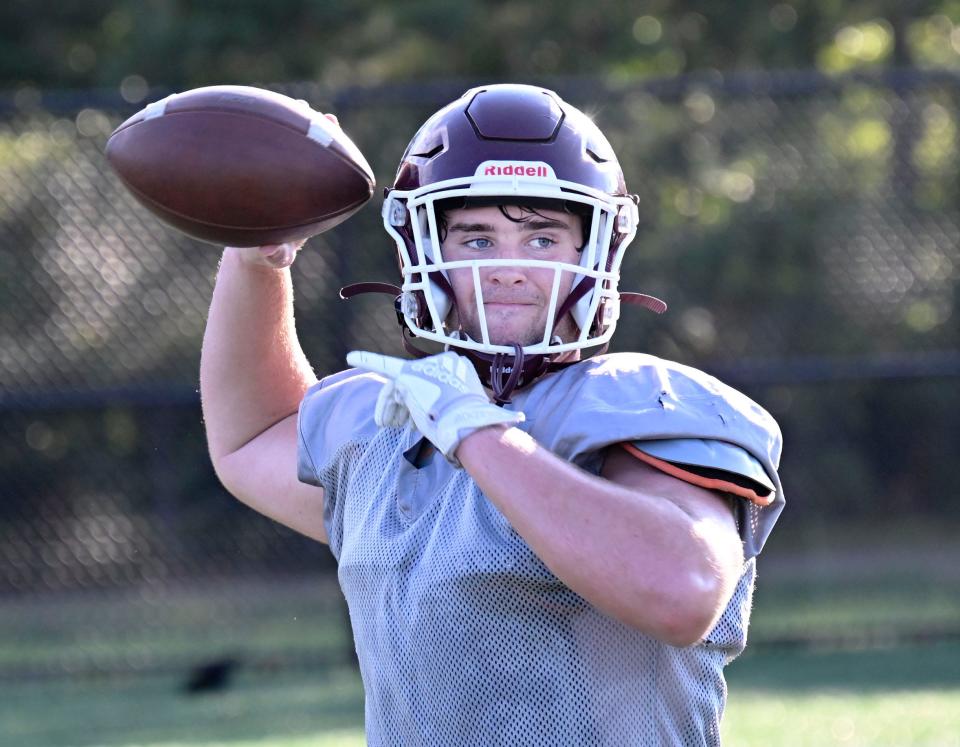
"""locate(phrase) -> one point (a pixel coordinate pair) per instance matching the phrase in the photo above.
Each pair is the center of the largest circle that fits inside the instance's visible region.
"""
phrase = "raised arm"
(253, 375)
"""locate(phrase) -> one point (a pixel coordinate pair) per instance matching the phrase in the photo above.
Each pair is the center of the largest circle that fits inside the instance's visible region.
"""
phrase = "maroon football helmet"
(511, 145)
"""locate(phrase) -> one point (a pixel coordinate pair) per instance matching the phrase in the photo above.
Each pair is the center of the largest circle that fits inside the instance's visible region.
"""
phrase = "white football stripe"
(320, 131)
(156, 109)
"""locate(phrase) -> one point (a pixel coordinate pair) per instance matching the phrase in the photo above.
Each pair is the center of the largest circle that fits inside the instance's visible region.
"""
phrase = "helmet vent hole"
(595, 157)
(436, 150)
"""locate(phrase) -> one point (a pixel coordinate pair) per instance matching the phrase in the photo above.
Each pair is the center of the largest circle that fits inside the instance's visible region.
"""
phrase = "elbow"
(222, 477)
(700, 592)
(217, 461)
(692, 616)
(225, 469)
(687, 609)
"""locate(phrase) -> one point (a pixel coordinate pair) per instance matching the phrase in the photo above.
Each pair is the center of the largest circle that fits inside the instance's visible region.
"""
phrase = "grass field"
(108, 670)
(908, 695)
(902, 696)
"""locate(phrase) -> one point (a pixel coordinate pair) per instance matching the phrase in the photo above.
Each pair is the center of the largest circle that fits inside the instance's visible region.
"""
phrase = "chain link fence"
(804, 230)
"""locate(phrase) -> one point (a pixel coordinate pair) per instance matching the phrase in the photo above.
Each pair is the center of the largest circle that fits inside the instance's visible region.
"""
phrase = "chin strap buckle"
(628, 218)
(395, 212)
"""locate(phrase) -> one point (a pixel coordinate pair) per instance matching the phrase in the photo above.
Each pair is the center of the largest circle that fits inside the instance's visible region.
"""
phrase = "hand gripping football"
(240, 166)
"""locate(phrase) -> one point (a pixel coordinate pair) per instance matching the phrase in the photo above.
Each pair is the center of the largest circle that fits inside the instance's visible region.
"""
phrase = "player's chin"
(522, 336)
(508, 337)
(517, 330)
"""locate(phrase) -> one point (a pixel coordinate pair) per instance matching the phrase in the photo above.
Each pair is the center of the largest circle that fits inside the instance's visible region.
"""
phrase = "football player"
(539, 543)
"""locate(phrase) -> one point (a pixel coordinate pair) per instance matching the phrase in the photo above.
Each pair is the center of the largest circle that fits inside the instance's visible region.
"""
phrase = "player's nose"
(507, 274)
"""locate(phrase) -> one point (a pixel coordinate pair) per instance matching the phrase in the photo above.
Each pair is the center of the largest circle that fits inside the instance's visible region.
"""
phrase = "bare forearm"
(253, 372)
(639, 558)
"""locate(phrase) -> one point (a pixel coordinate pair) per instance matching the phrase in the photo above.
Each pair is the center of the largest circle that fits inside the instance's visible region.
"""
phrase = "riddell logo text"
(518, 169)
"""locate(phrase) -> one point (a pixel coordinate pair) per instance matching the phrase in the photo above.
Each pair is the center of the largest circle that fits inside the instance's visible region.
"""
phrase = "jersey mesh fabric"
(464, 637)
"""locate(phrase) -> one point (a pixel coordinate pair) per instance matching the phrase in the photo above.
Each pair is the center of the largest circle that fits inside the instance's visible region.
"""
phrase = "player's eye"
(478, 243)
(542, 243)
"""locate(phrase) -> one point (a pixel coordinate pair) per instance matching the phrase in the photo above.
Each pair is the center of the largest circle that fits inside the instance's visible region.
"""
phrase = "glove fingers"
(385, 402)
(397, 415)
(390, 411)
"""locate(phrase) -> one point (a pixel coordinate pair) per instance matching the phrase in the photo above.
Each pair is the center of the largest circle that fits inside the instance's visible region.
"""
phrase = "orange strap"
(712, 483)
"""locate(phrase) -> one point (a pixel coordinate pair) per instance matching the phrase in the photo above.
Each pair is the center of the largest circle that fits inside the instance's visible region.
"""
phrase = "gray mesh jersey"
(464, 637)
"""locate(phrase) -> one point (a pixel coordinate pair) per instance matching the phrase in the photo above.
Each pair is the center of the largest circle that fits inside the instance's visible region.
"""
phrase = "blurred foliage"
(786, 217)
(133, 44)
(797, 232)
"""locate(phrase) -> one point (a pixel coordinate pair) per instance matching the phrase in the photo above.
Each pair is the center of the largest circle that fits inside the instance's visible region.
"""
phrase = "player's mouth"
(509, 302)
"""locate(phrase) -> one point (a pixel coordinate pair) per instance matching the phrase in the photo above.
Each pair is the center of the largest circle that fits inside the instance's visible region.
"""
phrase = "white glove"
(274, 256)
(442, 394)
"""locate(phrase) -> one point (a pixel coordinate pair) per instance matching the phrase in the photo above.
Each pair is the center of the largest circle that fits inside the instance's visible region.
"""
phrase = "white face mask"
(613, 220)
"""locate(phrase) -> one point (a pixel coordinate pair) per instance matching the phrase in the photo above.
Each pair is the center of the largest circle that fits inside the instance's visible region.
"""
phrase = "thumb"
(274, 256)
(280, 255)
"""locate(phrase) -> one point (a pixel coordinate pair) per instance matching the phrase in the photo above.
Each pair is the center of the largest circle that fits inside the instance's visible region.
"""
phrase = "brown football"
(240, 166)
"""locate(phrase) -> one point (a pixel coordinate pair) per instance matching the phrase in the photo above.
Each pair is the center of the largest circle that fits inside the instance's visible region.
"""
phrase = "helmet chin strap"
(502, 364)
(506, 372)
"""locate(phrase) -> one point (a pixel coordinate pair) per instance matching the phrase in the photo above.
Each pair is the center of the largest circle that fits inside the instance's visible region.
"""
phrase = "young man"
(535, 549)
